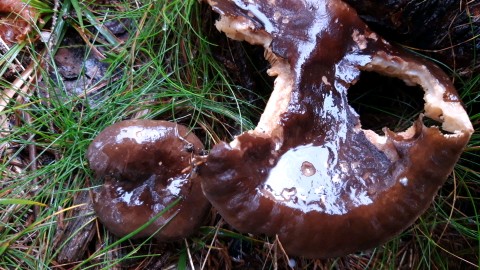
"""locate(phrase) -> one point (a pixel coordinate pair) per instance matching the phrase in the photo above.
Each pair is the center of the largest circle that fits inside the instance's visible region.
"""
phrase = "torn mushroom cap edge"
(451, 114)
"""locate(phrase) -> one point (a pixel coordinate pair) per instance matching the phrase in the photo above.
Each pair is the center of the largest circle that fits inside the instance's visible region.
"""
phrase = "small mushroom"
(308, 172)
(146, 166)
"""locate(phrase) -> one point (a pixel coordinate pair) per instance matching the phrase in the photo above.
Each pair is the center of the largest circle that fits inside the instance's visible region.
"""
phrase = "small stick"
(281, 248)
(211, 245)
(32, 156)
(189, 254)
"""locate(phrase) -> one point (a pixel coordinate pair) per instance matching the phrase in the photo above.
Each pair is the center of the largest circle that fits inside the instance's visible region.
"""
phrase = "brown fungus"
(15, 26)
(309, 173)
(146, 166)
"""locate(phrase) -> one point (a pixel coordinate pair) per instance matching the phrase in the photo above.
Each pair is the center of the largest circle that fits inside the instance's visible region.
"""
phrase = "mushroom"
(146, 166)
(308, 172)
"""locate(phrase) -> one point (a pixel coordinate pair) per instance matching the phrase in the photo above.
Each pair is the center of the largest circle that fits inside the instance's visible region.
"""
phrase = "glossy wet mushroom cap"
(308, 172)
(146, 166)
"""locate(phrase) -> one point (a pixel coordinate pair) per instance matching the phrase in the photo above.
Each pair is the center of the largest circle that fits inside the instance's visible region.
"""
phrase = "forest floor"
(86, 65)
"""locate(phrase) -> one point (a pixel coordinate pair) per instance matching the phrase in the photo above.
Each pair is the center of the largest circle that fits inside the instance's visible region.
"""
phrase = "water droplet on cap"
(404, 181)
(308, 169)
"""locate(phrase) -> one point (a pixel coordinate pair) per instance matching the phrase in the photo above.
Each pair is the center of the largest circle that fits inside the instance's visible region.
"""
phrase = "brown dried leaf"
(16, 18)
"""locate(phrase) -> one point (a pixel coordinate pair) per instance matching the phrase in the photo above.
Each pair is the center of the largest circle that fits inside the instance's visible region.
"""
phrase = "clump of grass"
(164, 67)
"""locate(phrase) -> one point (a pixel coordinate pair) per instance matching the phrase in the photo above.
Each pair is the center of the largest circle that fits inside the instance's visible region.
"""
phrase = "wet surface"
(76, 75)
(321, 184)
(146, 166)
(319, 122)
(316, 177)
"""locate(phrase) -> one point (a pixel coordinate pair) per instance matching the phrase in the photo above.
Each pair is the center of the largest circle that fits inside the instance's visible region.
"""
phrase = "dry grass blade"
(20, 84)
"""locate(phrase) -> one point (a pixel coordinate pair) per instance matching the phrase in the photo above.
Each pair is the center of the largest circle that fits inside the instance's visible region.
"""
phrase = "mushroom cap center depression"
(308, 172)
(146, 166)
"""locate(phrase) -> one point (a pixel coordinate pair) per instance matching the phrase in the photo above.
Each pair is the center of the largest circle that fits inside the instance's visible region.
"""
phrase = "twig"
(52, 41)
(211, 245)
(189, 254)
(270, 247)
(32, 156)
(57, 25)
(275, 258)
(27, 80)
(282, 249)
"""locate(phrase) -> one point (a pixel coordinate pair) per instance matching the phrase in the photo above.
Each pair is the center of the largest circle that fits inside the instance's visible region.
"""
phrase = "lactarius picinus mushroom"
(146, 166)
(308, 172)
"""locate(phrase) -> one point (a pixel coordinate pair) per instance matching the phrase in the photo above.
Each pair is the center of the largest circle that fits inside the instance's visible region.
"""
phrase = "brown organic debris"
(16, 20)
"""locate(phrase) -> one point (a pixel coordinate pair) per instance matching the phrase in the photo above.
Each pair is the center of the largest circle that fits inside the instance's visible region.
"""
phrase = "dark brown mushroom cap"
(146, 166)
(309, 173)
